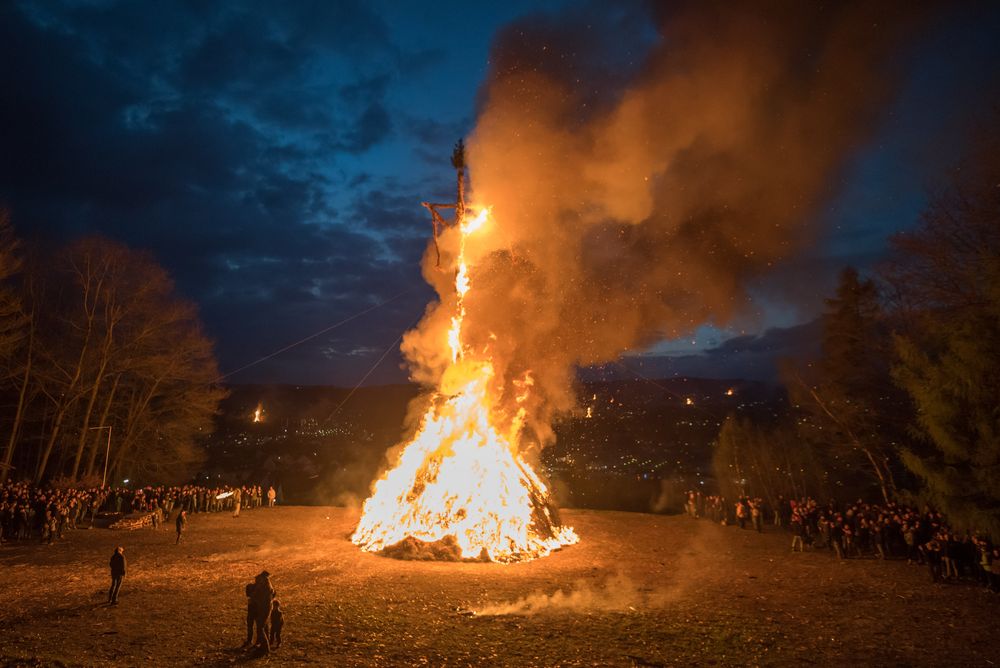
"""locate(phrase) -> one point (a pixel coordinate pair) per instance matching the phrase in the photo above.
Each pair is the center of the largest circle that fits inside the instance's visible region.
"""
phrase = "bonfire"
(461, 489)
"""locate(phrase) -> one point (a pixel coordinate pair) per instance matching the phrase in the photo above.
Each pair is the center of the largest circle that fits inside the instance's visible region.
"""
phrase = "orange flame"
(461, 476)
(258, 414)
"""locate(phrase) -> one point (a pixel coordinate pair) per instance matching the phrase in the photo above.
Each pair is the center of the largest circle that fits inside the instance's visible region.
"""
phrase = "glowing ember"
(689, 401)
(729, 392)
(461, 478)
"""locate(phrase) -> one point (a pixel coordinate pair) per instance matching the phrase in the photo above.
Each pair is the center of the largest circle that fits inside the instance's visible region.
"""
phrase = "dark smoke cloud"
(636, 197)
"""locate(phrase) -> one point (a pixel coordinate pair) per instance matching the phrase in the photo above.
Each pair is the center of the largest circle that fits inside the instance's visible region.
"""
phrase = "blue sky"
(273, 157)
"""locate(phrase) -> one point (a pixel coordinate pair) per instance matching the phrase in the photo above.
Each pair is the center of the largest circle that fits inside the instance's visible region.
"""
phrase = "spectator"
(181, 525)
(277, 623)
(261, 597)
(117, 565)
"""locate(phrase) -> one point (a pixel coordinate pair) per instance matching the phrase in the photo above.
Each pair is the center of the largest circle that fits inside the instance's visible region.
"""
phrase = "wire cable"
(370, 371)
(319, 333)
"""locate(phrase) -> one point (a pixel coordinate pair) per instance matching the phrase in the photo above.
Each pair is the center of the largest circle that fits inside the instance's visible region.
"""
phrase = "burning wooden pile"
(461, 489)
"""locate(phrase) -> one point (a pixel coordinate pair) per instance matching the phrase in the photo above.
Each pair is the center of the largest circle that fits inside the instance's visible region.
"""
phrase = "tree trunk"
(134, 415)
(856, 442)
(47, 452)
(104, 422)
(19, 413)
(85, 422)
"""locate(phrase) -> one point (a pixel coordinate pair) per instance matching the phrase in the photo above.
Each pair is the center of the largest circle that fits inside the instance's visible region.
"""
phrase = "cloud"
(210, 134)
(749, 357)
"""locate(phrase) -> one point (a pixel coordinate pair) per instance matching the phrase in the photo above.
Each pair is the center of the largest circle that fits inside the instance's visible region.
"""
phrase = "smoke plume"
(642, 168)
(617, 594)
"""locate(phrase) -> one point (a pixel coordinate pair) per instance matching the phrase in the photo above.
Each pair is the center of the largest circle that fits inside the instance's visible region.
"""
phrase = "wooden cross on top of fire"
(458, 162)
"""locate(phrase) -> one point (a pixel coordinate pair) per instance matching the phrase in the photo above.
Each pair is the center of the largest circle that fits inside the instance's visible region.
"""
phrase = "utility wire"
(319, 333)
(370, 371)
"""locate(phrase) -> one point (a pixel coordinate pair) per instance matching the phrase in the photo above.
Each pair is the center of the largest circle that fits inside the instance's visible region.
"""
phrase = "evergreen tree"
(953, 377)
(947, 274)
(851, 407)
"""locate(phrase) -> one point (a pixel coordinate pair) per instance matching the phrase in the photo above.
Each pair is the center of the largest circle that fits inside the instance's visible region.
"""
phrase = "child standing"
(277, 621)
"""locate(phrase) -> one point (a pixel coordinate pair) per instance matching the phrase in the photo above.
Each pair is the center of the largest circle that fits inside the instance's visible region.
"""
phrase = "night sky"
(273, 157)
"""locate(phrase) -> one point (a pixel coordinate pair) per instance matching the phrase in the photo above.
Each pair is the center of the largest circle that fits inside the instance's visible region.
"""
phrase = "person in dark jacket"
(261, 598)
(117, 564)
(248, 590)
(181, 524)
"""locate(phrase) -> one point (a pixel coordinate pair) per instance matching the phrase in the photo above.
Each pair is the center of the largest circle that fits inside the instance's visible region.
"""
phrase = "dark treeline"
(104, 367)
(903, 402)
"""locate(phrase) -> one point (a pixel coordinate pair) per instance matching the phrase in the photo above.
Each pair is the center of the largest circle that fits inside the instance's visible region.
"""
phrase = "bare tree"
(115, 347)
(13, 328)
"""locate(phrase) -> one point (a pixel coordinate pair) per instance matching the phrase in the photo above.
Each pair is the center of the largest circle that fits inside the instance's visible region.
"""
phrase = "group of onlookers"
(29, 511)
(884, 531)
(744, 512)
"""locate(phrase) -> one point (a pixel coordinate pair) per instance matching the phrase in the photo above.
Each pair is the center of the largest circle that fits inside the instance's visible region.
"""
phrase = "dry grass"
(638, 590)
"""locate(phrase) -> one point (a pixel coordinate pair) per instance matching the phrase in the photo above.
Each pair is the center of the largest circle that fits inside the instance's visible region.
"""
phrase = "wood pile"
(135, 521)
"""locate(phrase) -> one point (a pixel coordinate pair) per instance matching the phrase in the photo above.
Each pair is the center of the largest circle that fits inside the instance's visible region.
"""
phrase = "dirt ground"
(638, 590)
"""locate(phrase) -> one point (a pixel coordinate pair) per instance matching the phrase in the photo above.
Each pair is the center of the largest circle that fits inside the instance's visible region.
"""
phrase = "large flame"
(461, 476)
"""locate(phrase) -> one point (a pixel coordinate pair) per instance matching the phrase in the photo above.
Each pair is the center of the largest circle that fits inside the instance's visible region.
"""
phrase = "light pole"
(107, 454)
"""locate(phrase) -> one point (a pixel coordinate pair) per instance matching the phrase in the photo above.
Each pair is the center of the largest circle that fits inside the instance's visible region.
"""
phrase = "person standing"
(277, 623)
(741, 514)
(237, 498)
(270, 496)
(260, 604)
(181, 524)
(249, 590)
(117, 565)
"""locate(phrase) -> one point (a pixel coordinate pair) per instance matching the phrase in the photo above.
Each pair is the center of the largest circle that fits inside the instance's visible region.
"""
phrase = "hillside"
(665, 590)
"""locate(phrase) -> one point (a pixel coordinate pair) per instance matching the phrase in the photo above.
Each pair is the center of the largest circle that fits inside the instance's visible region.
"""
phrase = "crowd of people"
(883, 531)
(30, 512)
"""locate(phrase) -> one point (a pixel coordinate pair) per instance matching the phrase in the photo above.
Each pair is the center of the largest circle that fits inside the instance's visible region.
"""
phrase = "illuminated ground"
(653, 589)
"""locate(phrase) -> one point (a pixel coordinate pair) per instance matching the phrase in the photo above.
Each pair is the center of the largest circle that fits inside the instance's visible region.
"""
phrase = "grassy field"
(637, 590)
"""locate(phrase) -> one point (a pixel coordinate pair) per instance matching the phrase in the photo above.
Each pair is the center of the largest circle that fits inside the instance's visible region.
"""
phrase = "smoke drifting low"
(617, 594)
(636, 194)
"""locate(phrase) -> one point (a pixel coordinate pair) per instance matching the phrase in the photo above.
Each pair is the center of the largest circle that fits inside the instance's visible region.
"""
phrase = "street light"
(107, 453)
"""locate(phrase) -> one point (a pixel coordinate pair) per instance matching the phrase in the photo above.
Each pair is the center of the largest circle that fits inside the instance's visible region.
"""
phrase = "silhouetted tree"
(947, 277)
(852, 406)
(765, 461)
(12, 319)
(13, 327)
(115, 347)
